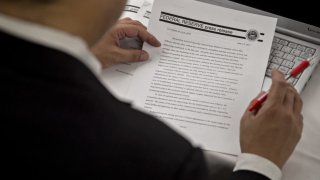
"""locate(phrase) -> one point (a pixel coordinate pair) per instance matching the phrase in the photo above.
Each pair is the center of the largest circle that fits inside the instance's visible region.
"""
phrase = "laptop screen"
(303, 11)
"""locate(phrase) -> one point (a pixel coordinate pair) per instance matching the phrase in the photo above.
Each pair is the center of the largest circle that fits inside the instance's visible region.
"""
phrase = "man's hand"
(108, 50)
(274, 131)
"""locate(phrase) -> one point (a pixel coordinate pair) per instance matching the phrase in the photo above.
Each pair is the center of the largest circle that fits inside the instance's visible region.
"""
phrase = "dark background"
(305, 11)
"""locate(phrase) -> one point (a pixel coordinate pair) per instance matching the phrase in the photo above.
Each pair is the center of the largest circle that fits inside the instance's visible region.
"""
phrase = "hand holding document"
(211, 64)
(118, 78)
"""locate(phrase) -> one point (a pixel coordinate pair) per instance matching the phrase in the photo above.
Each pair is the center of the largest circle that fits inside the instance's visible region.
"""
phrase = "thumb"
(132, 55)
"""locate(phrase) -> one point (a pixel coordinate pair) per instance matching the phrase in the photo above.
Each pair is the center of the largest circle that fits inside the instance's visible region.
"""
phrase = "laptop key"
(278, 53)
(283, 42)
(269, 72)
(277, 46)
(295, 52)
(311, 51)
(301, 48)
(274, 66)
(289, 57)
(293, 45)
(286, 49)
(298, 59)
(291, 80)
(275, 39)
(283, 69)
(270, 57)
(305, 55)
(271, 51)
(277, 60)
(288, 64)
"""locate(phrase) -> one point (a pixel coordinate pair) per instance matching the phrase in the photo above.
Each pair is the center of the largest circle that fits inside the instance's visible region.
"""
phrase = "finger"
(278, 88)
(297, 107)
(298, 104)
(289, 100)
(136, 31)
(131, 55)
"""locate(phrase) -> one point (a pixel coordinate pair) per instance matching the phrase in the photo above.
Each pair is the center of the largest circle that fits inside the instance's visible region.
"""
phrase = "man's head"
(88, 19)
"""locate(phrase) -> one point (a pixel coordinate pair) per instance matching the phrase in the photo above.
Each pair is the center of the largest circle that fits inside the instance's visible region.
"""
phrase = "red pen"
(294, 73)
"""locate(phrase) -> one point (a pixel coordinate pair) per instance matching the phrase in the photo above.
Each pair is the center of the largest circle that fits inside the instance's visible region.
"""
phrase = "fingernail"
(158, 42)
(144, 56)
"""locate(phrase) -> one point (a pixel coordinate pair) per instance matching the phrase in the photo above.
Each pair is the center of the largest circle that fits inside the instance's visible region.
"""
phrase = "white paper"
(207, 71)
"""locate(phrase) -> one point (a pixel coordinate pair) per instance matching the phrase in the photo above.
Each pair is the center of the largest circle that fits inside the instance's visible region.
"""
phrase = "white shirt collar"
(51, 38)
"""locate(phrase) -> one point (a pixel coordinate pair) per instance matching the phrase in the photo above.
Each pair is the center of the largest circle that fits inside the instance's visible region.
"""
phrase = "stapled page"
(131, 9)
(211, 65)
(145, 12)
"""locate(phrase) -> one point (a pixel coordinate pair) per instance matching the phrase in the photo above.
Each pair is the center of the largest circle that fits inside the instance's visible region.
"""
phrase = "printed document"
(211, 64)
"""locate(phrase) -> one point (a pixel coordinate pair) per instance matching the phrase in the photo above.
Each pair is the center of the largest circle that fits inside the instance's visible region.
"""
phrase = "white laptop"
(297, 35)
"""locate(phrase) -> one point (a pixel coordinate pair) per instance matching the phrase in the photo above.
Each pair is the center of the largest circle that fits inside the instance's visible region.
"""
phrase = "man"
(58, 121)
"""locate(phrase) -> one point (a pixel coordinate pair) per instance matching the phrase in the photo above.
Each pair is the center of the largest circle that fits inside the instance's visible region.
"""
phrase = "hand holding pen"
(274, 130)
(256, 105)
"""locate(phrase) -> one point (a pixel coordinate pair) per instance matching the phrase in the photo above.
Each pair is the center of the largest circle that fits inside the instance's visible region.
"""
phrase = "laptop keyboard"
(286, 55)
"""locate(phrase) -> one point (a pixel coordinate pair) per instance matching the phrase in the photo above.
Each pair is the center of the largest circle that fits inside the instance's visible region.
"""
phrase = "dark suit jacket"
(58, 121)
